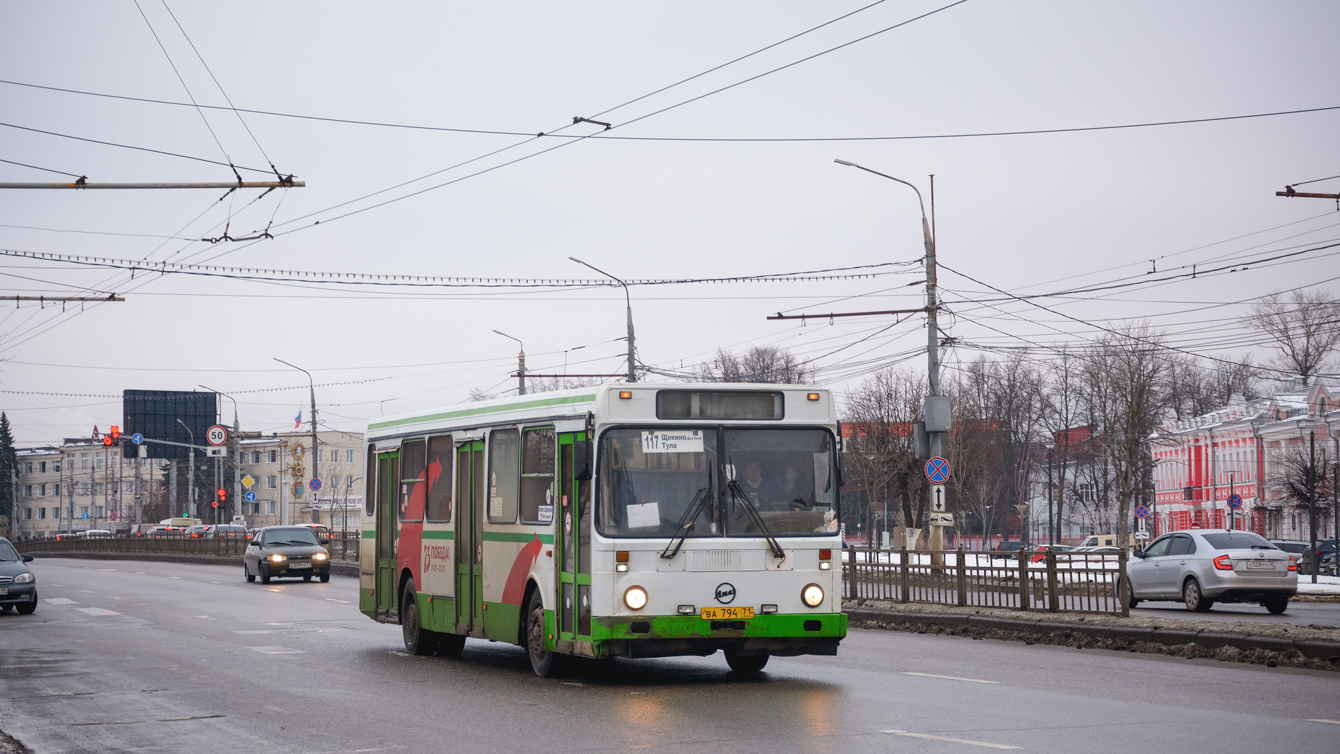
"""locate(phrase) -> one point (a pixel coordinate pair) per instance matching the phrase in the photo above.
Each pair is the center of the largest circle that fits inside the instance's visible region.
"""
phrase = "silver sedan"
(1203, 566)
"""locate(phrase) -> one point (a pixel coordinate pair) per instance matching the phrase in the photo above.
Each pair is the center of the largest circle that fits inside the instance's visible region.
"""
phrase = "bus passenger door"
(388, 476)
(470, 538)
(574, 544)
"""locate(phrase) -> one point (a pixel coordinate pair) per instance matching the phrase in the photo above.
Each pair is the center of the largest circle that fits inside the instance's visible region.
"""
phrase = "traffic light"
(223, 495)
(107, 440)
(116, 433)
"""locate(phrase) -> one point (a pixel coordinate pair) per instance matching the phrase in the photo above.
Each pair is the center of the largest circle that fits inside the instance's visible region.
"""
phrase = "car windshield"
(295, 536)
(1294, 547)
(7, 553)
(1238, 540)
(706, 482)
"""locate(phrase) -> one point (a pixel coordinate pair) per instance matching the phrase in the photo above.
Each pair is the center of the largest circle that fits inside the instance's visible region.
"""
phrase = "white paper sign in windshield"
(672, 441)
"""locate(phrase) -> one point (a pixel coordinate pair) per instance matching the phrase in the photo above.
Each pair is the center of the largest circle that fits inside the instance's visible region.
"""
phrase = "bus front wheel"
(542, 661)
(746, 664)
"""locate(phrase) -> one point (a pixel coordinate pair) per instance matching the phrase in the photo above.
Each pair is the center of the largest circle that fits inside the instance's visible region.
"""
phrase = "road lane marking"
(216, 582)
(86, 591)
(96, 611)
(1319, 720)
(178, 578)
(59, 601)
(277, 650)
(106, 569)
(952, 740)
(947, 677)
(332, 599)
(142, 573)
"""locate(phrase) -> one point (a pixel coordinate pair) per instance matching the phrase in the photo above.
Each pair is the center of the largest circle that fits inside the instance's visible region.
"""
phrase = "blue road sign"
(250, 497)
(85, 516)
(315, 484)
(1235, 501)
(937, 470)
(1141, 511)
(137, 438)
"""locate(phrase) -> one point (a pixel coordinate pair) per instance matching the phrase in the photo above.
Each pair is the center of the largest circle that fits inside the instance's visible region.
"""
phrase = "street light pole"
(1051, 512)
(521, 364)
(190, 470)
(632, 367)
(934, 397)
(315, 453)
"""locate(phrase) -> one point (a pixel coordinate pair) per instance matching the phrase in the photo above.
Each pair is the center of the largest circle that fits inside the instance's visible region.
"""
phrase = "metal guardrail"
(340, 549)
(1070, 582)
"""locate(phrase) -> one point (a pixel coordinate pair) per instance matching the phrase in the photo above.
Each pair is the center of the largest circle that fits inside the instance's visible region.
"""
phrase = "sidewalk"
(1300, 646)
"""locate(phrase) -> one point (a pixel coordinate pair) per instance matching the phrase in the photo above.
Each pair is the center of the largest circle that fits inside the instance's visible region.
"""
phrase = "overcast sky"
(1029, 214)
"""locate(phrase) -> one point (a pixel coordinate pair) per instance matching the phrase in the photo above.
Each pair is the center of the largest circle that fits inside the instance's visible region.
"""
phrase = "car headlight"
(812, 595)
(24, 578)
(320, 556)
(635, 597)
(277, 558)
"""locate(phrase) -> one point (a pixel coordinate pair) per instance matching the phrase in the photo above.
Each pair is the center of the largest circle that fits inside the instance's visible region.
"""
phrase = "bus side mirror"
(581, 460)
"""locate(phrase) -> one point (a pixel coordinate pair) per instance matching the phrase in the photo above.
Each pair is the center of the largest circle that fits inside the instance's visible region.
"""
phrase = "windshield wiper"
(686, 523)
(735, 490)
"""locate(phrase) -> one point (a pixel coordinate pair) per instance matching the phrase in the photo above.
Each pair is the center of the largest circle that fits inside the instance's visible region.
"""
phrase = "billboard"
(155, 414)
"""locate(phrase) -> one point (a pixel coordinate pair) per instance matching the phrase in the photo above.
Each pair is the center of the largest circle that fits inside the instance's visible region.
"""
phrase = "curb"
(337, 568)
(1322, 650)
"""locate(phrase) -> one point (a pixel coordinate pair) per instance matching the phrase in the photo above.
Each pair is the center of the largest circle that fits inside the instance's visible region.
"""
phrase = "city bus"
(629, 520)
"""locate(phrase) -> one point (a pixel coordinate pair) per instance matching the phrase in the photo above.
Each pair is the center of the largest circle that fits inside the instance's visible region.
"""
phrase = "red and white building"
(1243, 449)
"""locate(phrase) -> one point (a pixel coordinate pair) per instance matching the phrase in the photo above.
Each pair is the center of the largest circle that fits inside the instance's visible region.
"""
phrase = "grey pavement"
(158, 657)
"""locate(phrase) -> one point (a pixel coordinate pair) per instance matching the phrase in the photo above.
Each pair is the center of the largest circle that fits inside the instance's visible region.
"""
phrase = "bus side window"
(504, 475)
(537, 475)
(440, 455)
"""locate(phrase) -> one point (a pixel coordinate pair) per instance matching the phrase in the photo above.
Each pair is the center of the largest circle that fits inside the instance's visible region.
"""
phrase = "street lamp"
(236, 446)
(632, 369)
(521, 363)
(315, 453)
(933, 398)
(190, 470)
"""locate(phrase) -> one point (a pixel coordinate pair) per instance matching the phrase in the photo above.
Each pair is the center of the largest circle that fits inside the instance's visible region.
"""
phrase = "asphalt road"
(1299, 613)
(158, 657)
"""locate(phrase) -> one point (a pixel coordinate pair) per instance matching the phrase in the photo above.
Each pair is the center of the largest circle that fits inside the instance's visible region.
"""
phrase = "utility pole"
(1312, 505)
(628, 300)
(521, 363)
(190, 472)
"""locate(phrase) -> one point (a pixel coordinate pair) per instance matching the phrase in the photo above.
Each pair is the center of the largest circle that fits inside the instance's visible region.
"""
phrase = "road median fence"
(1046, 581)
(128, 547)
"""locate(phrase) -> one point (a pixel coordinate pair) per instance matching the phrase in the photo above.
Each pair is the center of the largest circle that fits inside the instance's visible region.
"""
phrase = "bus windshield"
(702, 482)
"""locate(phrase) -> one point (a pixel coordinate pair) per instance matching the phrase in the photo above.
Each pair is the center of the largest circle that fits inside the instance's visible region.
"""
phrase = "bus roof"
(575, 403)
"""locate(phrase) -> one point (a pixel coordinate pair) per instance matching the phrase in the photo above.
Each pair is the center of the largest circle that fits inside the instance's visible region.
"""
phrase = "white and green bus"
(629, 520)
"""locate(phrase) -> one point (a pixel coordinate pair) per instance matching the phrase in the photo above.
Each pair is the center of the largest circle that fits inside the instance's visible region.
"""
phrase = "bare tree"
(549, 385)
(1061, 414)
(477, 395)
(1127, 381)
(758, 364)
(1305, 328)
(881, 458)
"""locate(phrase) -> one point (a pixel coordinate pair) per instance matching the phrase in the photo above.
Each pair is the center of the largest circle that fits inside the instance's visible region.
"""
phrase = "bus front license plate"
(728, 613)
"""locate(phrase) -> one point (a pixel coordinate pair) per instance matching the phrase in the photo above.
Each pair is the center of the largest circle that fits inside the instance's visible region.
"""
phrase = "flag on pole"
(298, 421)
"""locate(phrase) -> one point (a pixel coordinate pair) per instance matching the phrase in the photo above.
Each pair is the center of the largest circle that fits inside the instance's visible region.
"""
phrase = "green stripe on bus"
(439, 535)
(507, 536)
(369, 534)
(541, 403)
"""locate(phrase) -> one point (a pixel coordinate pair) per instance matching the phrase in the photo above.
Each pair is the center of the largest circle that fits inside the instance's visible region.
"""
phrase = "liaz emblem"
(725, 593)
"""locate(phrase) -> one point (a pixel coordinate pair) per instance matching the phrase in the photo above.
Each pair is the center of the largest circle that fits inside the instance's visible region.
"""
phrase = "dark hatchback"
(18, 585)
(285, 551)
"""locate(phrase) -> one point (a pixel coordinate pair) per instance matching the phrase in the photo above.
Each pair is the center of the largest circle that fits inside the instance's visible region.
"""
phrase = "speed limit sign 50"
(216, 435)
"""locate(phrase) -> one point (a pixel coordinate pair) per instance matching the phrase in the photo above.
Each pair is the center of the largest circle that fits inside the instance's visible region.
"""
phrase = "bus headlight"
(812, 595)
(635, 597)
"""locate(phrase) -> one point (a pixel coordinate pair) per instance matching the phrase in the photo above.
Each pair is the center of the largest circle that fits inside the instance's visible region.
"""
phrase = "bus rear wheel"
(542, 661)
(418, 640)
(746, 664)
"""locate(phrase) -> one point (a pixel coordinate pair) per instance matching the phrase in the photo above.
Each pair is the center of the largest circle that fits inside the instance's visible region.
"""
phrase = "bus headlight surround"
(635, 597)
(812, 595)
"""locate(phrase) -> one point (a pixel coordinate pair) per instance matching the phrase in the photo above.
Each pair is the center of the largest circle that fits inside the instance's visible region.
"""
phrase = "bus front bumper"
(670, 635)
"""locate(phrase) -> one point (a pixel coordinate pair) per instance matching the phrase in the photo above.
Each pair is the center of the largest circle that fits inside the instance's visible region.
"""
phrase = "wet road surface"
(157, 657)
